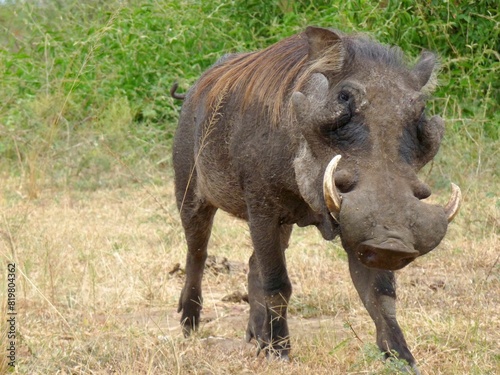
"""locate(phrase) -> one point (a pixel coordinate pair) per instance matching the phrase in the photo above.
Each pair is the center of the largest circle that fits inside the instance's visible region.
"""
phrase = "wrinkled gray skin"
(272, 177)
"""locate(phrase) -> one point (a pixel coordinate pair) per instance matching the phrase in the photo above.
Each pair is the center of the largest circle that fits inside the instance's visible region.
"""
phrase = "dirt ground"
(99, 275)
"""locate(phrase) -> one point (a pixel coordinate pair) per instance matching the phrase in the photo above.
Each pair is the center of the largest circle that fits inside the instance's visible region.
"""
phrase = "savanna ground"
(88, 216)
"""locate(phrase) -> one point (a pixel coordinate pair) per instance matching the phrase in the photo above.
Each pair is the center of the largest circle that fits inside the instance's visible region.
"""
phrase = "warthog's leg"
(197, 218)
(377, 289)
(269, 288)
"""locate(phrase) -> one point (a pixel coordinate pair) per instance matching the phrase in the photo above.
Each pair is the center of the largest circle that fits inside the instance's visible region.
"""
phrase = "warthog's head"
(361, 113)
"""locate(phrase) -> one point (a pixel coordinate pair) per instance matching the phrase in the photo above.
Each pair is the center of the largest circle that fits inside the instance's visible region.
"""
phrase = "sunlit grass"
(96, 293)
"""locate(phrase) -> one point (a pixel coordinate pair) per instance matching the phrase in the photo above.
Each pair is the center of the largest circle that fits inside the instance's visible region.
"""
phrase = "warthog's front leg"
(269, 288)
(377, 289)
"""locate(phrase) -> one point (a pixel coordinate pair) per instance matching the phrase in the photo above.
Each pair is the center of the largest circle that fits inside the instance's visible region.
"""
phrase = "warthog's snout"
(385, 224)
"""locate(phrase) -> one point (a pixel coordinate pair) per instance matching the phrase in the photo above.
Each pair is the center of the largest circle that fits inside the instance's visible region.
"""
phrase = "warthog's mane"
(265, 79)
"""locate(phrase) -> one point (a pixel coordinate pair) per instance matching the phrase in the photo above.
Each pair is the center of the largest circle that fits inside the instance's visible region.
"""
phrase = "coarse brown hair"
(266, 78)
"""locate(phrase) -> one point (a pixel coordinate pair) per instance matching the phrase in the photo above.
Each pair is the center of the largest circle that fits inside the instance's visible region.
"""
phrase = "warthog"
(322, 129)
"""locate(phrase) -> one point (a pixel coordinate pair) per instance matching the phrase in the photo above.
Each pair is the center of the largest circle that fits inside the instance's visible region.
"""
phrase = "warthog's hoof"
(277, 350)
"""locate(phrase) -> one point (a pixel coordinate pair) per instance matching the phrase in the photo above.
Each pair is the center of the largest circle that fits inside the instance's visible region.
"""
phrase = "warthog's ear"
(325, 48)
(424, 70)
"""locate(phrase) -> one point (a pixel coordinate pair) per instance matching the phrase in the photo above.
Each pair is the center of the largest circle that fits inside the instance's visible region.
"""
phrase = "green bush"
(77, 75)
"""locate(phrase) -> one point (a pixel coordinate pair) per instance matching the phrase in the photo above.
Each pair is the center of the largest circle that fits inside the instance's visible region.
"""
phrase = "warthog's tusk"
(332, 198)
(453, 204)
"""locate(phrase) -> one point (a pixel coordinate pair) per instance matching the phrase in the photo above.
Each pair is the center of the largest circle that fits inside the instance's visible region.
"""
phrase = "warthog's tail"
(173, 93)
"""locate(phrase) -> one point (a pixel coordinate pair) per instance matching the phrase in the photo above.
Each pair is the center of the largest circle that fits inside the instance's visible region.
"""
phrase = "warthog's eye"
(345, 127)
(344, 96)
(342, 115)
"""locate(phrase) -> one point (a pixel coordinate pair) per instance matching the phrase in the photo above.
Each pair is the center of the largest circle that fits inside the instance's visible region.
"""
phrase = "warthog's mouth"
(391, 254)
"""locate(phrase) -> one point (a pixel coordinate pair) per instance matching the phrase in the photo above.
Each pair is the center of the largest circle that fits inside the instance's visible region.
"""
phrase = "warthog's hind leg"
(197, 219)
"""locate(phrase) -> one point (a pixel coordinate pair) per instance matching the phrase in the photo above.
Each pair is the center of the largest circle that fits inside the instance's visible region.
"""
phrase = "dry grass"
(95, 295)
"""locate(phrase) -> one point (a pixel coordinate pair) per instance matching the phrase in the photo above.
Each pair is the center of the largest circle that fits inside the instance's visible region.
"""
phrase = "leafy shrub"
(66, 66)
